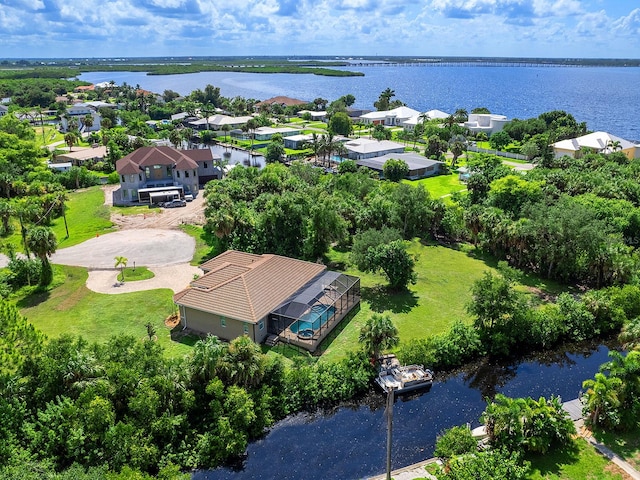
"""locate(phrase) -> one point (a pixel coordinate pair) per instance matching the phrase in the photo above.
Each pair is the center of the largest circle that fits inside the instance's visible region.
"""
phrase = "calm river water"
(607, 98)
(349, 442)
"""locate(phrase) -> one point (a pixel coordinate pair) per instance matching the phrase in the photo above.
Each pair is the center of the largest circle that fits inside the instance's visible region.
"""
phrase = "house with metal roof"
(156, 174)
(267, 296)
(361, 148)
(419, 166)
(598, 142)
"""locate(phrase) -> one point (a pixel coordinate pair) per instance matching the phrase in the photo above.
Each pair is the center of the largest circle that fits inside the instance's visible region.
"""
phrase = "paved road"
(145, 247)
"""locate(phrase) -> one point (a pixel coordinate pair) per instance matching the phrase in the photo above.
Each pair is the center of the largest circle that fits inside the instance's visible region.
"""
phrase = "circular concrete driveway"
(145, 247)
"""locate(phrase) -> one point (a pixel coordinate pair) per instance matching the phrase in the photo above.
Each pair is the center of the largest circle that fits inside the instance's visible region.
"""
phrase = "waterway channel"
(348, 442)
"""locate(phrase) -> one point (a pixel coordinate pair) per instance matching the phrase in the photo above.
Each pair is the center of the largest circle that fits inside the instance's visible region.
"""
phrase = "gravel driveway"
(146, 247)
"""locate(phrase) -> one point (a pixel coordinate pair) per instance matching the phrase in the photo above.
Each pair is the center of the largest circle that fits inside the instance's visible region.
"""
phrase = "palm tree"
(42, 242)
(175, 137)
(205, 359)
(88, 121)
(122, 263)
(243, 364)
(226, 128)
(377, 334)
(461, 115)
(601, 398)
(251, 127)
(70, 138)
(613, 146)
(6, 211)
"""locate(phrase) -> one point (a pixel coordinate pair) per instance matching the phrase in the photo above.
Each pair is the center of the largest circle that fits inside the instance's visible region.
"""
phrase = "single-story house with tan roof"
(81, 156)
(599, 142)
(267, 295)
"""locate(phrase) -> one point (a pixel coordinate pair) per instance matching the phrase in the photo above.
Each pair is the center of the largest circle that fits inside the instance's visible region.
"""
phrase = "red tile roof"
(149, 156)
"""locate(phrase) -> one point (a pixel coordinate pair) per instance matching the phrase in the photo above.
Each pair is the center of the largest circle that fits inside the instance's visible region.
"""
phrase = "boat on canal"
(402, 378)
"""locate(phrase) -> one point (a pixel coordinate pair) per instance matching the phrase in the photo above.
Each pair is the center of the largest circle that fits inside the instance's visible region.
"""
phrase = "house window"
(186, 174)
(205, 165)
(223, 322)
(147, 172)
(245, 329)
(178, 174)
(132, 178)
(122, 178)
(261, 324)
(139, 177)
(168, 171)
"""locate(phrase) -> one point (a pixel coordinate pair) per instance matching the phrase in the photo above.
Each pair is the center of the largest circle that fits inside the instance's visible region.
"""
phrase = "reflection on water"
(348, 442)
(236, 156)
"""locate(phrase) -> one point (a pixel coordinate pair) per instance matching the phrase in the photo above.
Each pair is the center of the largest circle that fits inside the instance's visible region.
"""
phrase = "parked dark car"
(175, 203)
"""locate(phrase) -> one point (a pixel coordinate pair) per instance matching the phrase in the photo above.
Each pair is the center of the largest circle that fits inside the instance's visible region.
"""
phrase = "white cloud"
(630, 23)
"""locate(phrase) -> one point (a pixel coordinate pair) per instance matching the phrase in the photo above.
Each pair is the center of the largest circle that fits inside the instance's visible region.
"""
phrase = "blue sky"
(422, 28)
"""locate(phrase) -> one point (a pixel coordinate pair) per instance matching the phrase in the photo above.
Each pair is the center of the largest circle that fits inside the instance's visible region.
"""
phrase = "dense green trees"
(395, 169)
(124, 405)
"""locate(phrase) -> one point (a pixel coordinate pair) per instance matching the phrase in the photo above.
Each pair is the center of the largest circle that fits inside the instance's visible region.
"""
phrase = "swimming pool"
(314, 319)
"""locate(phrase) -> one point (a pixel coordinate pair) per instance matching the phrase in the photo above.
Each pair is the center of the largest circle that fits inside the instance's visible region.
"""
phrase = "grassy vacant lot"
(581, 462)
(87, 216)
(72, 308)
(441, 185)
(429, 307)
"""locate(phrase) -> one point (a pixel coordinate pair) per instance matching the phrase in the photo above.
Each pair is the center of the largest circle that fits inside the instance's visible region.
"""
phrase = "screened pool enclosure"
(307, 317)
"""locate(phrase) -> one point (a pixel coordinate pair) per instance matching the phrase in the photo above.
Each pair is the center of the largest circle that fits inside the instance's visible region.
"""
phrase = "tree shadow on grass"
(550, 463)
(381, 299)
(34, 299)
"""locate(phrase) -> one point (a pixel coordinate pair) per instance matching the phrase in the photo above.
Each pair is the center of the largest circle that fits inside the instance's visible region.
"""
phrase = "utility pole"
(389, 414)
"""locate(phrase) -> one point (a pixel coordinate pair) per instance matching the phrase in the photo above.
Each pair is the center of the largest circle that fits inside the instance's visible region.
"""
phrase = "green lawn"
(135, 210)
(580, 463)
(445, 277)
(86, 217)
(72, 308)
(204, 250)
(625, 444)
(440, 185)
(133, 274)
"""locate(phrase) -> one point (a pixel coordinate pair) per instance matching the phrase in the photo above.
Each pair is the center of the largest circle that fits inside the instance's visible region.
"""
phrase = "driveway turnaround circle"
(145, 247)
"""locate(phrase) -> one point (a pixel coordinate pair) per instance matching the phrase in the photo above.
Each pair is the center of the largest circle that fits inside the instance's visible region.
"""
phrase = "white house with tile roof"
(600, 142)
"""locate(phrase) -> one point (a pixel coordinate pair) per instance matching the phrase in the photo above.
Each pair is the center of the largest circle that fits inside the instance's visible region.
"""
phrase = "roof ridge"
(250, 302)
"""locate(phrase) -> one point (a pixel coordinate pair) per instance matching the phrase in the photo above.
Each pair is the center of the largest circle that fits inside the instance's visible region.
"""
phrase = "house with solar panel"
(268, 298)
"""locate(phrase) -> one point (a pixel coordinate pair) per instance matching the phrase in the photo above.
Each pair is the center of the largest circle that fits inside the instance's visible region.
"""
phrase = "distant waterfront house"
(297, 142)
(259, 295)
(265, 133)
(3, 110)
(78, 112)
(389, 118)
(419, 166)
(485, 122)
(599, 142)
(217, 122)
(280, 100)
(426, 116)
(362, 148)
(82, 156)
(154, 174)
(315, 116)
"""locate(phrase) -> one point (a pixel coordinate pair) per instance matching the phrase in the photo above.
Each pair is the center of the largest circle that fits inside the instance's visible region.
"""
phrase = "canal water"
(349, 441)
(238, 156)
